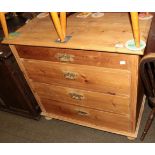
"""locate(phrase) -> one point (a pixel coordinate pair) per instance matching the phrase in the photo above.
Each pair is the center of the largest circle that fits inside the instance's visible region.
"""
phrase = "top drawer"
(94, 58)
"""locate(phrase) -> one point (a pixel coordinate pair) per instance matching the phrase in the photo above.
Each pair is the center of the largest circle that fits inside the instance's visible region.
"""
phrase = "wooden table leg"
(135, 26)
(57, 25)
(4, 25)
(63, 22)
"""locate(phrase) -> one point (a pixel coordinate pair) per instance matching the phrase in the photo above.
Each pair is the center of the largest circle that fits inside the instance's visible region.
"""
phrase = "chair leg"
(148, 124)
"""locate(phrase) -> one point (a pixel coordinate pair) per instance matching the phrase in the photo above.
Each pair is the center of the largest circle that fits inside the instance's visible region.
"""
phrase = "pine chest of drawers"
(84, 82)
(91, 88)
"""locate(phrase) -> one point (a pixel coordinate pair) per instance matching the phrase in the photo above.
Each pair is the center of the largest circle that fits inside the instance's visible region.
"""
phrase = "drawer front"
(99, 101)
(109, 81)
(86, 115)
(94, 58)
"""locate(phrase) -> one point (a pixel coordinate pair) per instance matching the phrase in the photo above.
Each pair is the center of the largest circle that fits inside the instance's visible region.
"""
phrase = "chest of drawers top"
(98, 34)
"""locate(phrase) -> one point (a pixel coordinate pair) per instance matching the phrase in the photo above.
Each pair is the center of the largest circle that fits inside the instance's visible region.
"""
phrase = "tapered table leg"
(135, 26)
(57, 25)
(4, 25)
(63, 22)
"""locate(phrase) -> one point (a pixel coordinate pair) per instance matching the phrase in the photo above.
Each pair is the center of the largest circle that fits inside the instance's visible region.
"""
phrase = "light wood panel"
(106, 84)
(109, 81)
(93, 58)
(132, 134)
(44, 72)
(134, 91)
(101, 34)
(98, 118)
(99, 101)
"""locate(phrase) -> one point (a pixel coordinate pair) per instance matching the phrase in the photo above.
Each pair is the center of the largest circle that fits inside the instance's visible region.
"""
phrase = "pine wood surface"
(134, 91)
(94, 100)
(87, 115)
(115, 81)
(91, 58)
(132, 134)
(118, 84)
(101, 34)
(105, 80)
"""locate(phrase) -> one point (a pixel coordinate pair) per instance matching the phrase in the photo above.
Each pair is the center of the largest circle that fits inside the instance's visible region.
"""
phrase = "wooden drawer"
(86, 115)
(95, 100)
(94, 58)
(109, 81)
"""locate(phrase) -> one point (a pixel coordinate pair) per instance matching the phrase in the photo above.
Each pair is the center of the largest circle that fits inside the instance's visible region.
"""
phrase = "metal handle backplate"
(82, 113)
(76, 96)
(70, 75)
(64, 57)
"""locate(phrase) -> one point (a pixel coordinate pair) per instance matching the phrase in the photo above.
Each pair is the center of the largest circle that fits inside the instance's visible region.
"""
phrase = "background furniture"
(15, 94)
(88, 80)
(148, 75)
(147, 71)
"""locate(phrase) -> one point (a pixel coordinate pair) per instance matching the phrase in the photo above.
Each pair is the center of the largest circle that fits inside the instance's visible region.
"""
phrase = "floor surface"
(17, 129)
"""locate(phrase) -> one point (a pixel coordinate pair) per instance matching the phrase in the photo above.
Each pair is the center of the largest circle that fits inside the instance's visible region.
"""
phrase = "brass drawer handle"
(70, 75)
(64, 57)
(76, 96)
(82, 113)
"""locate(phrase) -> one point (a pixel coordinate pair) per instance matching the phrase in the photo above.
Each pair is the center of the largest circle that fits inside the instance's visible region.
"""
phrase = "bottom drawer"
(94, 117)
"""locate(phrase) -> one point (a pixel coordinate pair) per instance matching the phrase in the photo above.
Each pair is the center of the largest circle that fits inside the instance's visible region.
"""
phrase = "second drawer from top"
(99, 79)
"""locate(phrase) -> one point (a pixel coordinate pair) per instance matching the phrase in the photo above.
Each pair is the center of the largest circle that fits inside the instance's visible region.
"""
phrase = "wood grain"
(134, 92)
(98, 101)
(108, 91)
(101, 34)
(109, 81)
(100, 127)
(87, 115)
(84, 57)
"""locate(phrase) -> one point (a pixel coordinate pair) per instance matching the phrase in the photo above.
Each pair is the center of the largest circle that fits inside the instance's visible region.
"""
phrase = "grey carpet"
(17, 129)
